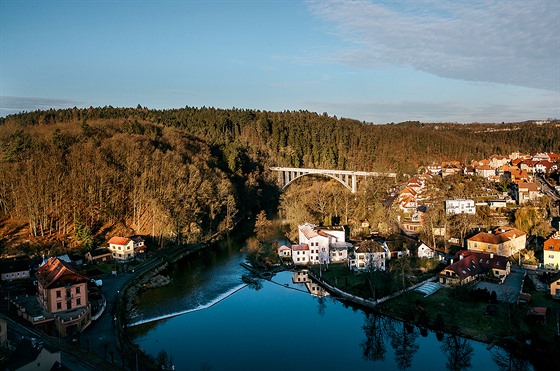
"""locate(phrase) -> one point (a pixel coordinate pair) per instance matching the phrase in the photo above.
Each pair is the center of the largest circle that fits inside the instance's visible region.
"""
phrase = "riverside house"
(468, 266)
(124, 249)
(63, 293)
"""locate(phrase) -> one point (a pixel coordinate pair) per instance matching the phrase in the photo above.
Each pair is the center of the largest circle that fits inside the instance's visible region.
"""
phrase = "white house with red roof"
(124, 249)
(321, 240)
(551, 251)
(301, 254)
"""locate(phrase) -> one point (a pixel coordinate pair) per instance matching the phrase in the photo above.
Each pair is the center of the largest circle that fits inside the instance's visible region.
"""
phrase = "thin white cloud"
(380, 112)
(9, 105)
(511, 42)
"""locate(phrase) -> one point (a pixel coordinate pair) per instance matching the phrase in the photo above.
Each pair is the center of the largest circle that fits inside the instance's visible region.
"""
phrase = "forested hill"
(302, 138)
(187, 174)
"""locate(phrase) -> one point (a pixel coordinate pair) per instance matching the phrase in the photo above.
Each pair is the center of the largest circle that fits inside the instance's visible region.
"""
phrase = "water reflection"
(506, 361)
(373, 347)
(458, 351)
(302, 276)
(403, 341)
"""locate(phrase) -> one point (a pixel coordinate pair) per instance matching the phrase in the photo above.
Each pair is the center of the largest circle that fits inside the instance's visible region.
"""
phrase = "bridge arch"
(328, 175)
(287, 175)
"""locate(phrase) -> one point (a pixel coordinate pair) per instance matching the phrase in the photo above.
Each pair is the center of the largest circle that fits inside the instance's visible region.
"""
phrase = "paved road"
(510, 289)
(68, 355)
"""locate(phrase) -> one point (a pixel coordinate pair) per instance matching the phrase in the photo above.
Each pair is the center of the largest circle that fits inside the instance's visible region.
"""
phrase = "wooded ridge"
(187, 174)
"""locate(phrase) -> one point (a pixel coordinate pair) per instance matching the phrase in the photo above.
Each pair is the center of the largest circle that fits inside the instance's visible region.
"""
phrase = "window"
(58, 305)
(78, 301)
(58, 293)
(551, 256)
(77, 290)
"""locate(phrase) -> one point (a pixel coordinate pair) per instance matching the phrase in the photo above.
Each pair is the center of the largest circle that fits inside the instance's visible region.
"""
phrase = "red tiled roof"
(474, 263)
(301, 247)
(56, 273)
(552, 244)
(119, 240)
(529, 186)
(498, 236)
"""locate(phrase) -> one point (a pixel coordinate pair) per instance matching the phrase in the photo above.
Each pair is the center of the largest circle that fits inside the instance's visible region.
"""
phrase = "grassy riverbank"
(456, 310)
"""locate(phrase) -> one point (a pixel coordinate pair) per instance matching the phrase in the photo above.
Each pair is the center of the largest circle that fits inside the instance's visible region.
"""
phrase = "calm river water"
(208, 319)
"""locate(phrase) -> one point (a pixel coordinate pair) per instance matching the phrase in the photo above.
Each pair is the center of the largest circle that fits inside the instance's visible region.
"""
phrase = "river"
(208, 319)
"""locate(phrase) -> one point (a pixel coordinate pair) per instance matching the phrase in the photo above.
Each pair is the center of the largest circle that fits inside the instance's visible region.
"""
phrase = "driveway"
(510, 289)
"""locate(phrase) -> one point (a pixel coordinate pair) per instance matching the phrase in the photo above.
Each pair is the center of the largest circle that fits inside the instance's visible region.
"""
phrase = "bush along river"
(207, 318)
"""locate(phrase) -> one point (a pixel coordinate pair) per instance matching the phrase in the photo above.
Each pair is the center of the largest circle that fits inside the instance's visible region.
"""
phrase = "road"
(547, 189)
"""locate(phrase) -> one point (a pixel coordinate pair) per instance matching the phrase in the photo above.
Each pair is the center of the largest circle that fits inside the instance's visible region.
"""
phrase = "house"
(122, 248)
(300, 254)
(63, 293)
(31, 355)
(469, 170)
(554, 285)
(15, 269)
(451, 168)
(99, 255)
(369, 255)
(545, 166)
(485, 171)
(528, 165)
(320, 240)
(551, 252)
(412, 225)
(526, 192)
(496, 204)
(496, 161)
(284, 252)
(517, 175)
(139, 245)
(339, 251)
(468, 266)
(424, 251)
(503, 241)
(460, 206)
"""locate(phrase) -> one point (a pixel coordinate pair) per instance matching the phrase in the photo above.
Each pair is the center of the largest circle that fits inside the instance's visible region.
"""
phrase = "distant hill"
(189, 173)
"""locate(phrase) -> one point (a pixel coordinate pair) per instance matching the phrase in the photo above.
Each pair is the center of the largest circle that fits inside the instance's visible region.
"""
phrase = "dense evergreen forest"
(184, 175)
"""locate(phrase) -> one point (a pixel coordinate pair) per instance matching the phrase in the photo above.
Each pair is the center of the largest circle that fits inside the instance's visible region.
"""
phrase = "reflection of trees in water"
(373, 347)
(322, 306)
(506, 361)
(459, 352)
(403, 340)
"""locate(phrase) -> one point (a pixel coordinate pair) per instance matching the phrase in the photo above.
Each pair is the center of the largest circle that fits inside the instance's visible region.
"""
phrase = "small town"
(280, 185)
(499, 245)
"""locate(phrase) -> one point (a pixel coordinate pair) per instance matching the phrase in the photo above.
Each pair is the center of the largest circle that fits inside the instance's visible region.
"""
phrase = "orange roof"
(529, 186)
(498, 236)
(119, 240)
(553, 243)
(56, 273)
(301, 247)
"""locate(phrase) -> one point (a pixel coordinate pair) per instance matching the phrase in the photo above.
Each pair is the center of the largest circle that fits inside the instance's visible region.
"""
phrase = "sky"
(374, 61)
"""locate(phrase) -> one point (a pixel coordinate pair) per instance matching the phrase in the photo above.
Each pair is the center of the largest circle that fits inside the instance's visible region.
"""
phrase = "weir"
(210, 304)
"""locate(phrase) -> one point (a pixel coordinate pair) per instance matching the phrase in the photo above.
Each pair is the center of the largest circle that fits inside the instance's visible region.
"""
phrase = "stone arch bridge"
(287, 175)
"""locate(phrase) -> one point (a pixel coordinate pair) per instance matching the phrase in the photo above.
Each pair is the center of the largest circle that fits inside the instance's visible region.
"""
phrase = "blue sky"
(376, 61)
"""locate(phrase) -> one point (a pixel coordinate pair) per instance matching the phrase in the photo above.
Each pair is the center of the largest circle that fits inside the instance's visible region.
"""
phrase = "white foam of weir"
(218, 299)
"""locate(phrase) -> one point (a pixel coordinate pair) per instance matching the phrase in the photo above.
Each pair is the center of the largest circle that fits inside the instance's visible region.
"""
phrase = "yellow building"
(551, 251)
(503, 241)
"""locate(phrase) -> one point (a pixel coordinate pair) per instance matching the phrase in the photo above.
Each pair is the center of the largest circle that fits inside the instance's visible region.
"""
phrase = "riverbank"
(127, 297)
(451, 311)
